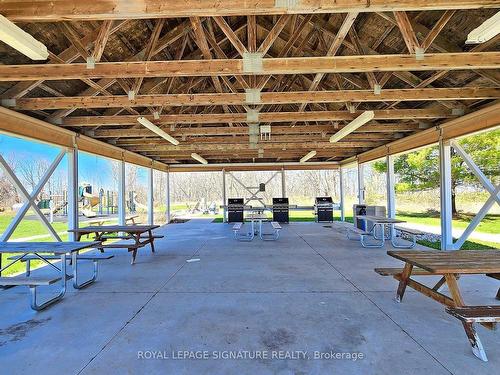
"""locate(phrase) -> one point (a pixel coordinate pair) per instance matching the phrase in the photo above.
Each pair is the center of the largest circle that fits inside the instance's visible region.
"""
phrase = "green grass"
(490, 223)
(28, 228)
(468, 245)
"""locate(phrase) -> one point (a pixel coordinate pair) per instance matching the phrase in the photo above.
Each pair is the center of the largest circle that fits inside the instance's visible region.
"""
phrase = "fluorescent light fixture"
(487, 30)
(20, 40)
(308, 156)
(197, 157)
(155, 129)
(352, 126)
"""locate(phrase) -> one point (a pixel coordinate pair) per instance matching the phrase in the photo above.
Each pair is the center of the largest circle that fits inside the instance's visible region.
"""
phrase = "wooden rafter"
(102, 39)
(423, 94)
(318, 73)
(48, 10)
(283, 65)
(406, 29)
(273, 117)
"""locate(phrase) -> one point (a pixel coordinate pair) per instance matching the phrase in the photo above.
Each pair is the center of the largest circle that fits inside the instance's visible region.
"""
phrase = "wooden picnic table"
(449, 265)
(141, 235)
(40, 251)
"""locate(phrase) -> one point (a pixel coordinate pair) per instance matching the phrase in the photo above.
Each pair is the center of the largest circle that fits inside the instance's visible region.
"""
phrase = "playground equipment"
(88, 200)
(132, 203)
(56, 204)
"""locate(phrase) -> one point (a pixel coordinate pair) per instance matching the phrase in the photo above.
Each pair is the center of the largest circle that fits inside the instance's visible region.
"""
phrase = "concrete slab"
(269, 323)
(312, 290)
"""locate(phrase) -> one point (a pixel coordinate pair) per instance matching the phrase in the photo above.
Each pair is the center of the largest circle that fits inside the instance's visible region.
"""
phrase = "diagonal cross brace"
(30, 198)
(487, 184)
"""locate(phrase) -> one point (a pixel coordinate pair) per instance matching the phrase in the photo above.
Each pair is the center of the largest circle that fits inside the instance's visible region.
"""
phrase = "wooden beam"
(148, 53)
(480, 120)
(102, 39)
(70, 33)
(49, 10)
(325, 130)
(262, 145)
(231, 167)
(438, 27)
(272, 117)
(423, 94)
(273, 34)
(69, 55)
(216, 141)
(18, 124)
(406, 29)
(230, 67)
(231, 36)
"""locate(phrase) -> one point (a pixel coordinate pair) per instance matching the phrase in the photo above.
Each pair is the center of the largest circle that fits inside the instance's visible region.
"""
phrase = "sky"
(93, 169)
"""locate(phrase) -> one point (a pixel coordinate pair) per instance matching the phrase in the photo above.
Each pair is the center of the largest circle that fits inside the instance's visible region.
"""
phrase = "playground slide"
(139, 205)
(92, 201)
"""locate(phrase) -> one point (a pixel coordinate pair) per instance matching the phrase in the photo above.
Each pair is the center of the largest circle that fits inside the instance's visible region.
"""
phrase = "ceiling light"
(197, 157)
(352, 126)
(487, 30)
(20, 40)
(309, 155)
(155, 129)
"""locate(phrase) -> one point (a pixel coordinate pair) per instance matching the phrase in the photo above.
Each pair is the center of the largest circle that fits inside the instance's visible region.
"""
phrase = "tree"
(419, 170)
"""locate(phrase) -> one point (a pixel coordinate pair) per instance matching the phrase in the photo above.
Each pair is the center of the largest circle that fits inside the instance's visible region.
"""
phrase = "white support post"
(30, 198)
(361, 184)
(168, 197)
(121, 193)
(283, 183)
(224, 203)
(391, 195)
(150, 196)
(342, 199)
(72, 194)
(445, 195)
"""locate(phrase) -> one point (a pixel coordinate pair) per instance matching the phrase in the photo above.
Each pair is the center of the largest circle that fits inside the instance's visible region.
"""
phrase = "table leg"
(152, 240)
(74, 262)
(33, 299)
(403, 282)
(470, 331)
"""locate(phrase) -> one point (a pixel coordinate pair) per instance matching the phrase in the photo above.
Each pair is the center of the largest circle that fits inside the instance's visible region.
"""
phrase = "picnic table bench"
(139, 236)
(39, 250)
(449, 265)
(379, 222)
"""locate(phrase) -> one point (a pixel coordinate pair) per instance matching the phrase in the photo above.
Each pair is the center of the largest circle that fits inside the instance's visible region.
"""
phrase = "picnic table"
(259, 217)
(140, 236)
(450, 265)
(39, 250)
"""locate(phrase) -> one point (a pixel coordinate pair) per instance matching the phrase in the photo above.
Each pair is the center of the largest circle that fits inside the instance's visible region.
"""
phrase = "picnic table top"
(381, 219)
(57, 248)
(458, 261)
(115, 228)
(257, 217)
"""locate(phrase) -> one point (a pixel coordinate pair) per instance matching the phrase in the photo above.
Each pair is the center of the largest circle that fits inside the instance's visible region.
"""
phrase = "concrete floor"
(313, 290)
